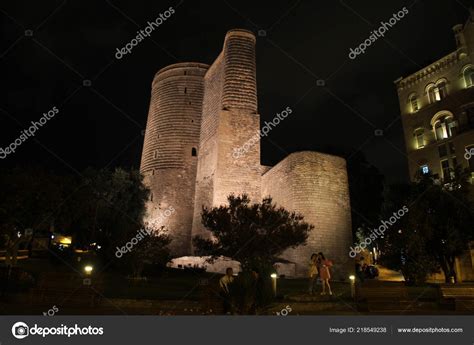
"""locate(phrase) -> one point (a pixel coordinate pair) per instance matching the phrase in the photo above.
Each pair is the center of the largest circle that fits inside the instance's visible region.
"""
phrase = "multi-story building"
(437, 110)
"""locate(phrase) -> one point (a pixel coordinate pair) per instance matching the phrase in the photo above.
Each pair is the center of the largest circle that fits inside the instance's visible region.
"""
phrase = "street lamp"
(352, 279)
(274, 283)
(88, 269)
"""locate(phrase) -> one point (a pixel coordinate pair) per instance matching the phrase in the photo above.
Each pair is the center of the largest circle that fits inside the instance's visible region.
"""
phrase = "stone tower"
(229, 120)
(199, 116)
(169, 158)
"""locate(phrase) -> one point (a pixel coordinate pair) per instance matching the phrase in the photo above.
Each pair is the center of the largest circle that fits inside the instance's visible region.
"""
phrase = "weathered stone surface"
(171, 137)
(214, 110)
(315, 185)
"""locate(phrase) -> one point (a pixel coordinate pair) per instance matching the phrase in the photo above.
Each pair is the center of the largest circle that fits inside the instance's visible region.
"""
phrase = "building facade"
(199, 116)
(437, 110)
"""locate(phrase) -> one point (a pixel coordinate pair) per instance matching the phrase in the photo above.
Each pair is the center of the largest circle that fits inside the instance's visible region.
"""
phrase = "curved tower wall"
(315, 185)
(229, 121)
(171, 148)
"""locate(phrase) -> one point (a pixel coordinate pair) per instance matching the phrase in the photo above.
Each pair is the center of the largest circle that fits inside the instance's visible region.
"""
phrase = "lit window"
(419, 138)
(442, 91)
(433, 94)
(424, 169)
(468, 75)
(414, 103)
(445, 127)
(437, 92)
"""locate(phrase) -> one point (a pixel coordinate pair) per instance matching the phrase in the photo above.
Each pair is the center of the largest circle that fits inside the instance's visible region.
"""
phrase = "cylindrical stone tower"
(170, 150)
(230, 121)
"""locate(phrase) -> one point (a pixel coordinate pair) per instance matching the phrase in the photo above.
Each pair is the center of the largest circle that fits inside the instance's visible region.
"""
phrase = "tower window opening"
(194, 152)
(185, 90)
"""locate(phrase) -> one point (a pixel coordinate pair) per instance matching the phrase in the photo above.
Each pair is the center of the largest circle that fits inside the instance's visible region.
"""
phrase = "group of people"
(319, 268)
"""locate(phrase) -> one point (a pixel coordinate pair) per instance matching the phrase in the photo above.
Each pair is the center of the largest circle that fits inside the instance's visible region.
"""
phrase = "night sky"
(101, 124)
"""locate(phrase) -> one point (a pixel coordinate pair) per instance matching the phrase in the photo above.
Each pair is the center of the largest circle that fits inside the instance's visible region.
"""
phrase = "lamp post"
(274, 283)
(88, 269)
(352, 279)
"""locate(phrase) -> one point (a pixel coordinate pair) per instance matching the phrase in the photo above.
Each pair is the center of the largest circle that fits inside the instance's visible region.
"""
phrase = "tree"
(437, 229)
(151, 250)
(253, 234)
(101, 206)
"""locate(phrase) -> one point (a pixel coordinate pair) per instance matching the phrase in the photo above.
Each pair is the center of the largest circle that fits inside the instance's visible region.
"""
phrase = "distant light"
(88, 269)
(65, 240)
(400, 231)
(273, 275)
(352, 277)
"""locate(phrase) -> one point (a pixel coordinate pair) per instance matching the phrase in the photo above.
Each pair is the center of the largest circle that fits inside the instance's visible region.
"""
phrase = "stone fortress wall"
(211, 111)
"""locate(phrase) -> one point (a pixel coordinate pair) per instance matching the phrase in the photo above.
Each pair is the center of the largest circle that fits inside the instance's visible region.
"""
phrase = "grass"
(176, 284)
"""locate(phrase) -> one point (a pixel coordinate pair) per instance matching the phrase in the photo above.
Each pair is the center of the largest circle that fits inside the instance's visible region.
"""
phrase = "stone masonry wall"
(170, 150)
(315, 185)
(229, 120)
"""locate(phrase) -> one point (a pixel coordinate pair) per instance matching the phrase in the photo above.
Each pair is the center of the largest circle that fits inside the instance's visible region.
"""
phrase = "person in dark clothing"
(225, 287)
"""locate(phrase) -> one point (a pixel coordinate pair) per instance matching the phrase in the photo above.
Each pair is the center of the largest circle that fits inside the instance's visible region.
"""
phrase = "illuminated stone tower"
(229, 120)
(199, 116)
(170, 150)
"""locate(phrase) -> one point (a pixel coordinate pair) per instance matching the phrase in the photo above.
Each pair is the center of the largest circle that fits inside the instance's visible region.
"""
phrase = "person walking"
(324, 273)
(312, 272)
